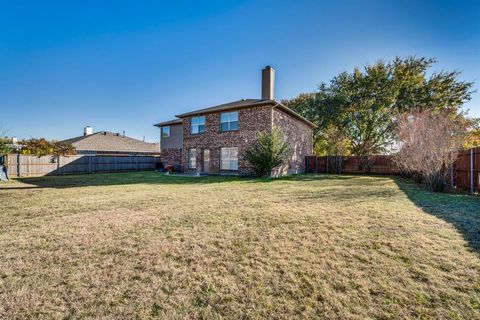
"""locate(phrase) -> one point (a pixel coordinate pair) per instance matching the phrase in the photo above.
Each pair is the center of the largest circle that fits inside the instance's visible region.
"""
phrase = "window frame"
(194, 166)
(197, 125)
(169, 132)
(229, 122)
(229, 159)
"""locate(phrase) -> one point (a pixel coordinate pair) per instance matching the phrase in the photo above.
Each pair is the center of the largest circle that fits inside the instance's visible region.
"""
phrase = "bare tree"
(428, 143)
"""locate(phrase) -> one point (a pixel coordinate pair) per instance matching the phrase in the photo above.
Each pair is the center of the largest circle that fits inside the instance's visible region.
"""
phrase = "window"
(229, 121)
(229, 158)
(198, 125)
(166, 132)
(192, 158)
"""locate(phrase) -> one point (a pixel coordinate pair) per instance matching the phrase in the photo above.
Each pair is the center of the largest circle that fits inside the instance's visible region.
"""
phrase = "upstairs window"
(229, 121)
(197, 125)
(229, 158)
(166, 132)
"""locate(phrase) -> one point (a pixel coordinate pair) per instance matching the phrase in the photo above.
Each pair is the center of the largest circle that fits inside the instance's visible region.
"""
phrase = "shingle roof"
(112, 142)
(245, 103)
(169, 123)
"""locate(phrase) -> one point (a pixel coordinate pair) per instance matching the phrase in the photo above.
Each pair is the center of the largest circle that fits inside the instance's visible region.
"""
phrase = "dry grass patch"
(150, 246)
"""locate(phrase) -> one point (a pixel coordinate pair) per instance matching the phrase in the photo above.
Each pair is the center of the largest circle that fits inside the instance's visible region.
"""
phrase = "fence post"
(472, 190)
(58, 165)
(19, 166)
(136, 160)
(28, 166)
(89, 164)
(115, 162)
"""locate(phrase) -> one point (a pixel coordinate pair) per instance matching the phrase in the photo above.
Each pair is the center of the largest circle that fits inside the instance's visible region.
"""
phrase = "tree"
(269, 152)
(472, 139)
(5, 143)
(428, 142)
(364, 104)
(41, 147)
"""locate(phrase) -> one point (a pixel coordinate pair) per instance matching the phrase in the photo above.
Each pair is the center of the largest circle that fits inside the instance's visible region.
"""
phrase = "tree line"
(399, 107)
(357, 112)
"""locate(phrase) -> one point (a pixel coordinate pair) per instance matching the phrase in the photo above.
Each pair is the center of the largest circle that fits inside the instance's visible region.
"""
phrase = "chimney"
(268, 83)
(87, 131)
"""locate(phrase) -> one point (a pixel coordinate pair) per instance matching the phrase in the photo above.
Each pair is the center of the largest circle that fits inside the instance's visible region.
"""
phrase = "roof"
(112, 142)
(245, 103)
(169, 123)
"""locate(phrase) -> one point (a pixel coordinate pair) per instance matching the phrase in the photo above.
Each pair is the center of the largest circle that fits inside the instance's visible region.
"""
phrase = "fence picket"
(28, 165)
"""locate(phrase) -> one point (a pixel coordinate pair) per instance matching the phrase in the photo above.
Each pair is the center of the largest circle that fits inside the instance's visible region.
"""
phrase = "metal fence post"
(472, 189)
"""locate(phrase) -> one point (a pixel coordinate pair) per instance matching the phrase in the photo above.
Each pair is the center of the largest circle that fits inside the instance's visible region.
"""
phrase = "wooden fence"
(27, 165)
(351, 165)
(465, 173)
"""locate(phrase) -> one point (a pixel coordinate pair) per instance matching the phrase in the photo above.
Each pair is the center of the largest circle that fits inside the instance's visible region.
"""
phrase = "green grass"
(144, 245)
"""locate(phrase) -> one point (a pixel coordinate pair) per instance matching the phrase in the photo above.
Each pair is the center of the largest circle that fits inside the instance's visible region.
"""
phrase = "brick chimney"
(268, 83)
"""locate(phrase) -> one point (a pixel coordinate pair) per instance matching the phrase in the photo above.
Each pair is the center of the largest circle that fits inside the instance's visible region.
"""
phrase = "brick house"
(213, 140)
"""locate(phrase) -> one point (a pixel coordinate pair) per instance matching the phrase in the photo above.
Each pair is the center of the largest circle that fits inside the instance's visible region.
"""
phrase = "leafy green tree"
(365, 104)
(269, 152)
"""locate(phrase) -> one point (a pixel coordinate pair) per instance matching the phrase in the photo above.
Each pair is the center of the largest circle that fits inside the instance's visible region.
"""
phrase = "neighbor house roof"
(112, 142)
(244, 103)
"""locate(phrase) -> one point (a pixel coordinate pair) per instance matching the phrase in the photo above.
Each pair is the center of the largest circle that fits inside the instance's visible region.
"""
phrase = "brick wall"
(299, 137)
(250, 122)
(172, 156)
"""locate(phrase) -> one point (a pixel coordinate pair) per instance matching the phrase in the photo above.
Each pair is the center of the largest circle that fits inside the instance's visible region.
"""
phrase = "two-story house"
(214, 140)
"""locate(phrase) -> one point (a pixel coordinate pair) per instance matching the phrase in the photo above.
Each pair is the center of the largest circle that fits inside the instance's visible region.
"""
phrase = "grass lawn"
(140, 245)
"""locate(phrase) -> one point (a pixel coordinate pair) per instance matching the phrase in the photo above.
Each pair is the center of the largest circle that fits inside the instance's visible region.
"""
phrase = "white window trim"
(197, 125)
(169, 132)
(229, 122)
(229, 159)
(194, 164)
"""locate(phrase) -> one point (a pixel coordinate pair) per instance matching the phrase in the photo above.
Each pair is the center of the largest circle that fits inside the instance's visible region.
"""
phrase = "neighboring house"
(104, 142)
(215, 139)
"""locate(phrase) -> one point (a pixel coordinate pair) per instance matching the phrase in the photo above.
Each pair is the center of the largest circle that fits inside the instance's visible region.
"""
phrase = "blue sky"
(125, 65)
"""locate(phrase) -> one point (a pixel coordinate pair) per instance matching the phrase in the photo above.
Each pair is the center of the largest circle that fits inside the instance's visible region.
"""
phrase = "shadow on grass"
(109, 179)
(462, 211)
(147, 177)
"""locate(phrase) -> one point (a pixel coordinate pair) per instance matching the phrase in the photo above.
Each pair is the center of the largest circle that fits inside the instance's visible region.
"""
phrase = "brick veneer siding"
(172, 156)
(250, 122)
(299, 137)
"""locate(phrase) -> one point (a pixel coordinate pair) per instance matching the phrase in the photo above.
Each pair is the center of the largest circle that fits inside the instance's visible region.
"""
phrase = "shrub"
(269, 152)
(428, 143)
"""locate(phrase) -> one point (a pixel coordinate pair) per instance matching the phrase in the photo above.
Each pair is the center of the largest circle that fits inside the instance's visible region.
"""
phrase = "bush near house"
(269, 152)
